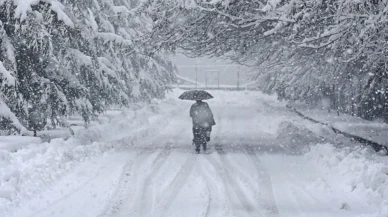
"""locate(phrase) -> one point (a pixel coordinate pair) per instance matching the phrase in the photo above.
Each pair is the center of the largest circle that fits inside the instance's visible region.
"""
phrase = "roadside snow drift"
(358, 172)
(29, 167)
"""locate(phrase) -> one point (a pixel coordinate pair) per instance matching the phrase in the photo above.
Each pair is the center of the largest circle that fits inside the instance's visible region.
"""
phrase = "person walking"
(202, 116)
(203, 121)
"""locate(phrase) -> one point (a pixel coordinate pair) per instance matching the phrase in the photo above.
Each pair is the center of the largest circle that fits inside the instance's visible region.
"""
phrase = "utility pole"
(238, 77)
(206, 79)
(196, 77)
(212, 71)
(179, 85)
(218, 78)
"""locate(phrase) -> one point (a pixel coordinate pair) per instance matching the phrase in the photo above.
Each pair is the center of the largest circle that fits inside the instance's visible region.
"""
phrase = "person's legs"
(197, 139)
(203, 137)
(208, 132)
(204, 146)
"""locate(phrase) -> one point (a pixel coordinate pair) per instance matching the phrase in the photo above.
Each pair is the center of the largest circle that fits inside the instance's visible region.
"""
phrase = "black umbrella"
(196, 95)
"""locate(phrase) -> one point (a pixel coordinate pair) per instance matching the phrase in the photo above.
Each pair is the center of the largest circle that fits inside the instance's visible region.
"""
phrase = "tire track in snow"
(118, 205)
(118, 197)
(229, 182)
(128, 199)
(263, 197)
(268, 201)
(121, 193)
(244, 179)
(232, 186)
(210, 193)
(145, 204)
(248, 182)
(212, 185)
(68, 195)
(145, 201)
(173, 189)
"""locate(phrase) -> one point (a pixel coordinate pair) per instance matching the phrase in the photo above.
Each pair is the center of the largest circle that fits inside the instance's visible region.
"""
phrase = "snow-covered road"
(256, 165)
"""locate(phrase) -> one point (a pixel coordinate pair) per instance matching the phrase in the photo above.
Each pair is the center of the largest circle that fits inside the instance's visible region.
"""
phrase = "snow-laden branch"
(6, 113)
(112, 37)
(24, 7)
(6, 75)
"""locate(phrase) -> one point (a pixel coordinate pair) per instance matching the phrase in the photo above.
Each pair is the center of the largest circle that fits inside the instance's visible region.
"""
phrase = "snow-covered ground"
(370, 130)
(263, 160)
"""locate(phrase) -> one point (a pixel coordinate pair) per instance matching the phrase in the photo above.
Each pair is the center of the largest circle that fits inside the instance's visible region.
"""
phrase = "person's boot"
(197, 148)
(207, 136)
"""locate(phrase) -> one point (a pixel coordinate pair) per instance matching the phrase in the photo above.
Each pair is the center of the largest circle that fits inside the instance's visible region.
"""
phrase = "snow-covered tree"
(64, 57)
(307, 49)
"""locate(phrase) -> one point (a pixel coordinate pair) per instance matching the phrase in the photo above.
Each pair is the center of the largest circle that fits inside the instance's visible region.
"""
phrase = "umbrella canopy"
(196, 95)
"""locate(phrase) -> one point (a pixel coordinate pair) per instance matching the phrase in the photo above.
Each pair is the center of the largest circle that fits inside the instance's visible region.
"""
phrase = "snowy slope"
(263, 161)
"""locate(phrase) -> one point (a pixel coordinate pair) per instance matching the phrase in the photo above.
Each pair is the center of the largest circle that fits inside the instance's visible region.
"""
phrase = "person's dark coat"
(202, 115)
(203, 121)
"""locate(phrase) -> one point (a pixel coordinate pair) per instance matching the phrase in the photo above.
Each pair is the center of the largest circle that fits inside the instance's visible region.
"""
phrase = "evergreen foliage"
(64, 57)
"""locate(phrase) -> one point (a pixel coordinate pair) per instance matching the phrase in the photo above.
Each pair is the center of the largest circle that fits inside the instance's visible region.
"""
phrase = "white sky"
(211, 67)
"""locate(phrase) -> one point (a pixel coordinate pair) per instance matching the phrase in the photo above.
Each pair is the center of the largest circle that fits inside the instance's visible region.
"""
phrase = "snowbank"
(13, 143)
(35, 167)
(373, 131)
(294, 137)
(355, 172)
